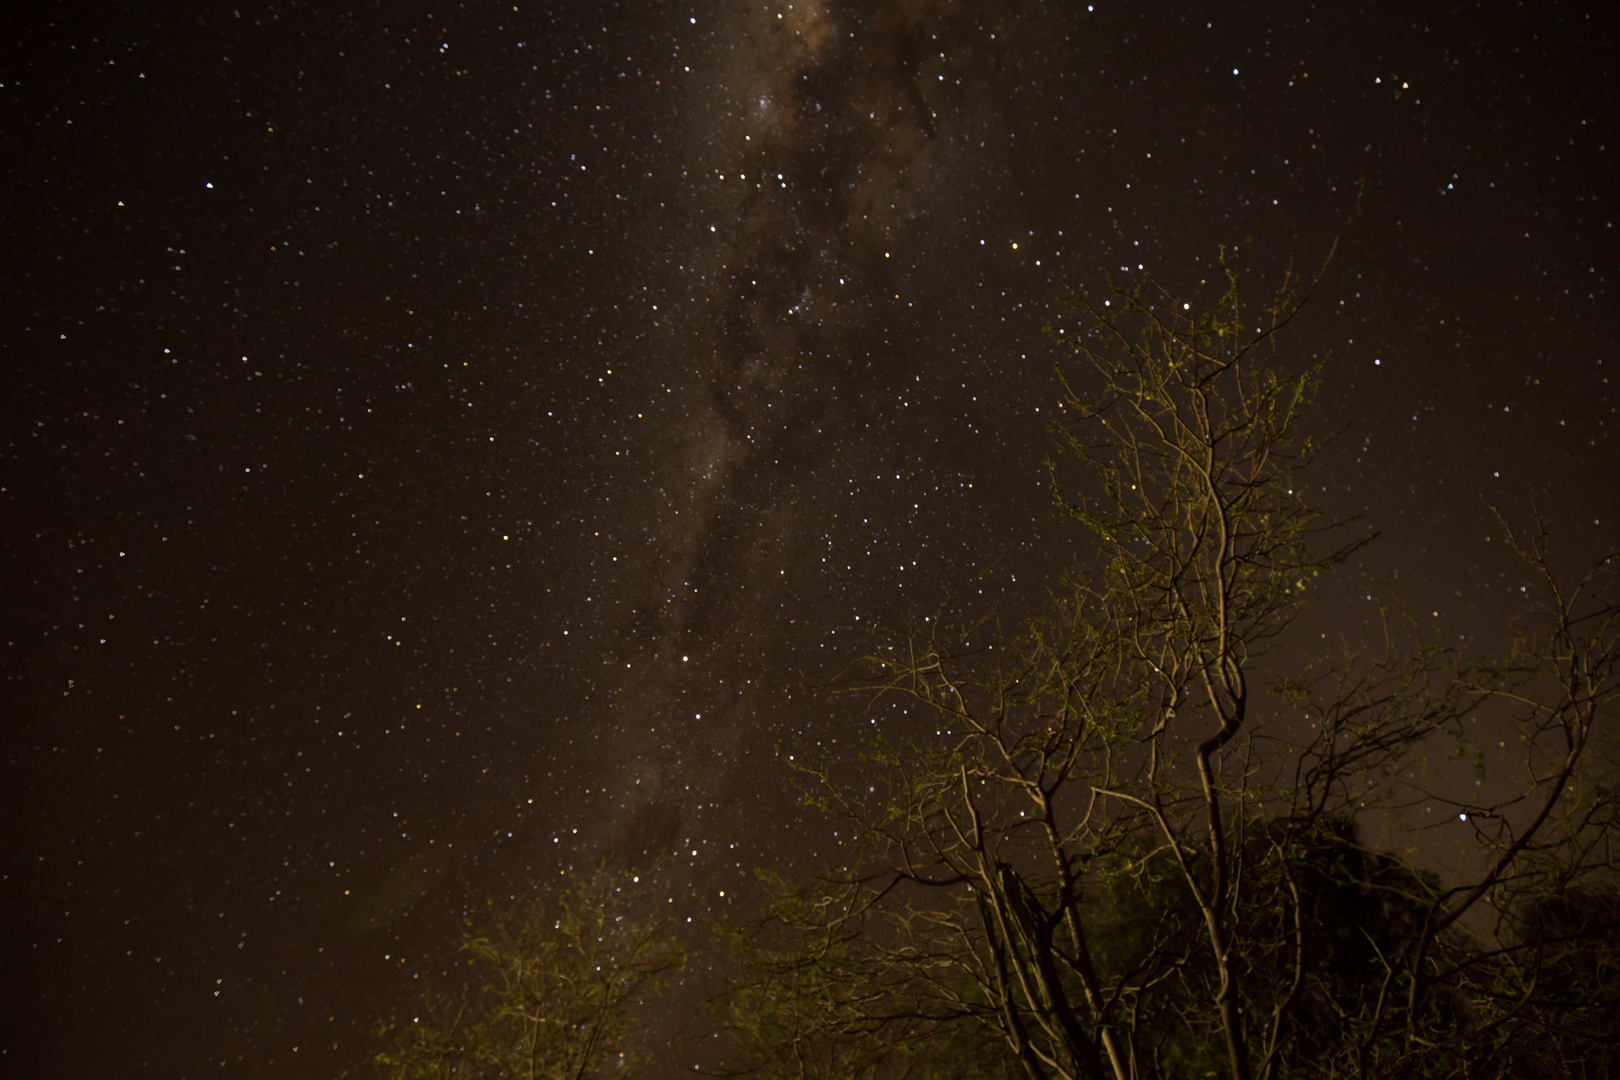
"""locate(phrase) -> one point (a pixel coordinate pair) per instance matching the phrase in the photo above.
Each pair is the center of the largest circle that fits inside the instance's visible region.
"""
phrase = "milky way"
(831, 142)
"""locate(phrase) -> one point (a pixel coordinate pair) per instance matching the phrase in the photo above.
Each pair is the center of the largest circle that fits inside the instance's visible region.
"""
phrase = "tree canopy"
(1134, 845)
(560, 983)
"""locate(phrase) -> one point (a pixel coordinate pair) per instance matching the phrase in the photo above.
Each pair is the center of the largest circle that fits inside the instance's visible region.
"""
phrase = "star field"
(447, 444)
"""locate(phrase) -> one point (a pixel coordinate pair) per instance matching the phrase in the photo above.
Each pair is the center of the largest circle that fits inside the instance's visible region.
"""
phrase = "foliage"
(1120, 857)
(562, 982)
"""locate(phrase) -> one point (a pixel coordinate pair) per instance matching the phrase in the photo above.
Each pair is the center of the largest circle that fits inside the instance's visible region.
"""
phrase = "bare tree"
(563, 981)
(1519, 951)
(1119, 855)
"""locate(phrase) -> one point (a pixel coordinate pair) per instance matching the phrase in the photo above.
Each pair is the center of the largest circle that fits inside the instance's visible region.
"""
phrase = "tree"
(1122, 857)
(561, 982)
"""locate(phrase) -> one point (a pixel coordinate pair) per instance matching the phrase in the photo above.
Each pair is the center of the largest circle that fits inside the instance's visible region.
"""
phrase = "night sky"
(445, 444)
